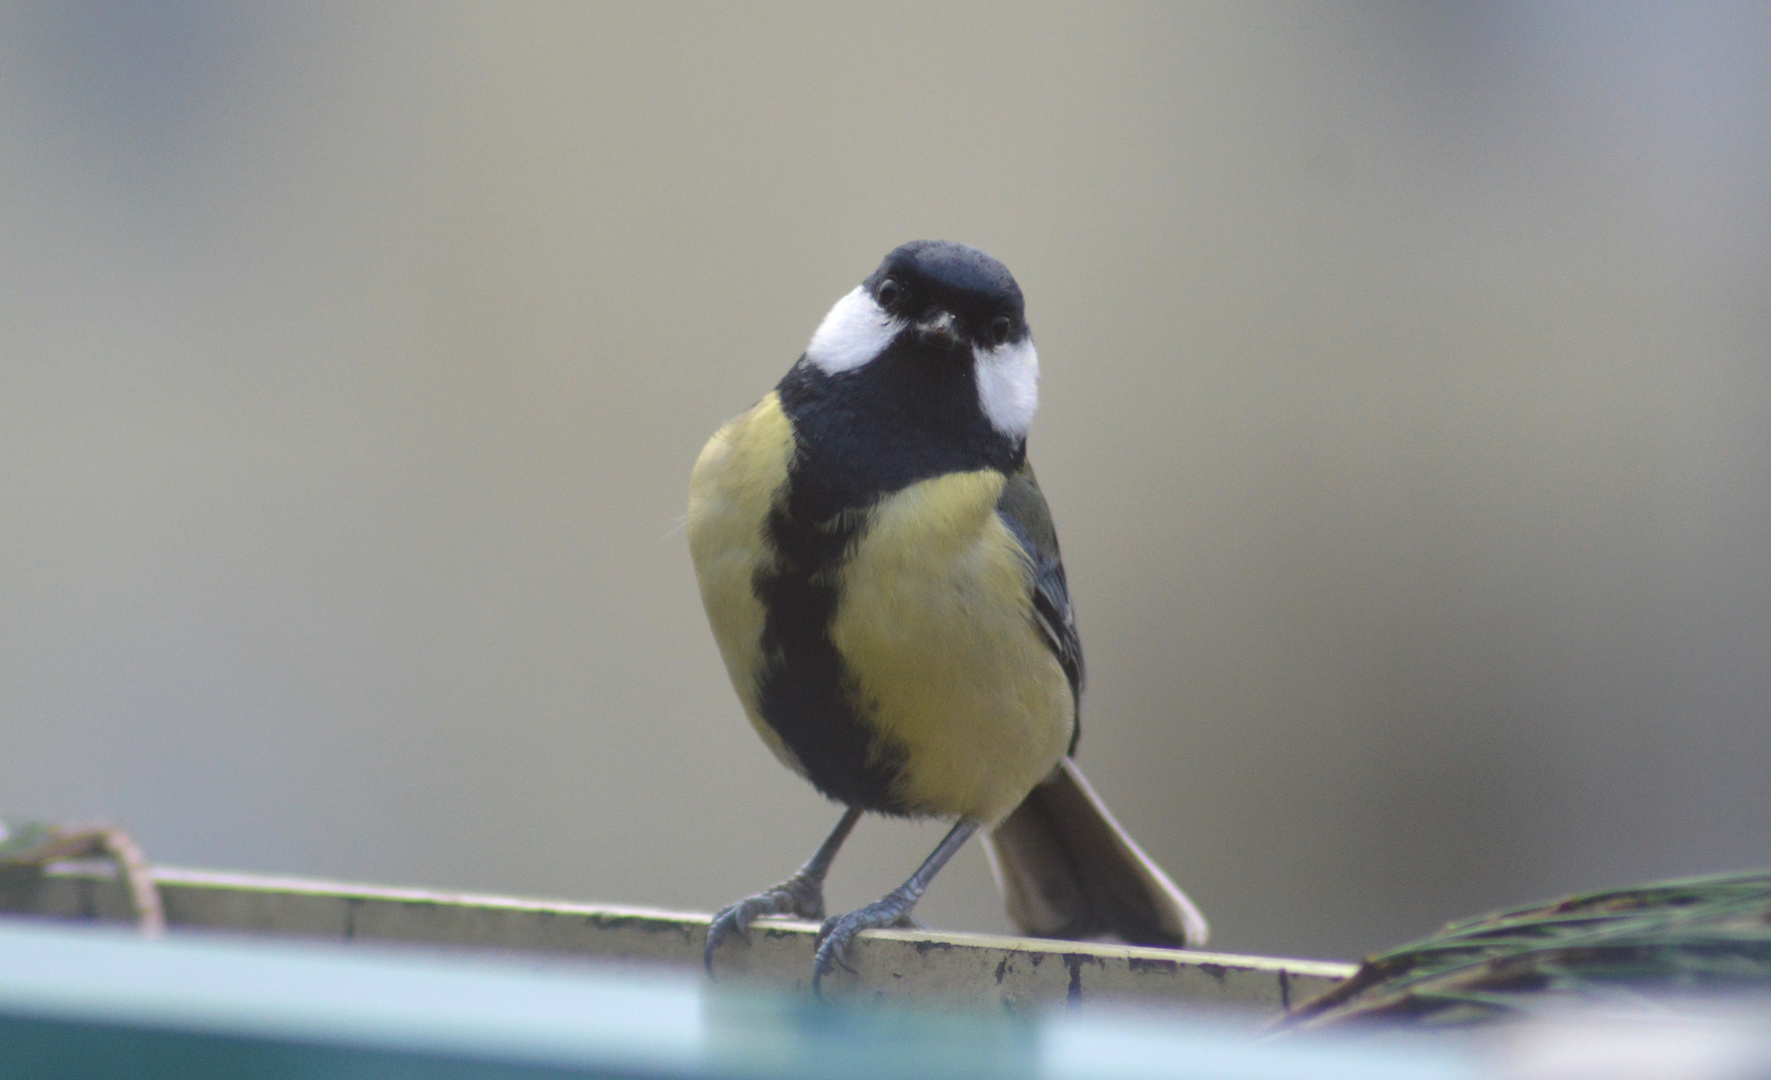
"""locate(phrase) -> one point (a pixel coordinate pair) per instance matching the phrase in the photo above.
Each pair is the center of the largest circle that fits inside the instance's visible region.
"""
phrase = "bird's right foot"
(800, 895)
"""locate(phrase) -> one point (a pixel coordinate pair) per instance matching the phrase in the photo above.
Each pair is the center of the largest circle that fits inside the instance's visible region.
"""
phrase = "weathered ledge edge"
(911, 966)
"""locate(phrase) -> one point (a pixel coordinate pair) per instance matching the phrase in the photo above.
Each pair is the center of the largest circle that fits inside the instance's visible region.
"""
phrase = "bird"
(882, 578)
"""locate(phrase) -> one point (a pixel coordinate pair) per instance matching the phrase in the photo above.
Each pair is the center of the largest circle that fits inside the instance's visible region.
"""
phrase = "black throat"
(911, 414)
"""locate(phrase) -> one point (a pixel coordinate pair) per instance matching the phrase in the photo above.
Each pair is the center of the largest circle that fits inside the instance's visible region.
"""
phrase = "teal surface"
(97, 1003)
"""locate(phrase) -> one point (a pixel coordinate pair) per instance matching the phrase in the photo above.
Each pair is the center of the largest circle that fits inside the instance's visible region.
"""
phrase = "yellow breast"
(935, 626)
(933, 622)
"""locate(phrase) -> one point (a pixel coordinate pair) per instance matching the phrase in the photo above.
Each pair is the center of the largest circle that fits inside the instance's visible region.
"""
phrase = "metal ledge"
(913, 966)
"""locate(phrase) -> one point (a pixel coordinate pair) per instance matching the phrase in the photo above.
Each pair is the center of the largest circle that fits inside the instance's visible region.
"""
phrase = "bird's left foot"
(835, 936)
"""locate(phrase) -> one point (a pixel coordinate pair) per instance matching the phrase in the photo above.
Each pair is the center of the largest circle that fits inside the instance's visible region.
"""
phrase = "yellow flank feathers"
(739, 477)
(935, 626)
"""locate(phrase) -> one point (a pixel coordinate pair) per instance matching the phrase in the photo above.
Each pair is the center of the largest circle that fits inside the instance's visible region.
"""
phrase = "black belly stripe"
(905, 417)
(807, 694)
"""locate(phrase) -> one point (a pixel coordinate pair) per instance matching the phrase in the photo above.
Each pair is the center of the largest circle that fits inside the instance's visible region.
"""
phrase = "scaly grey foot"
(800, 895)
(837, 933)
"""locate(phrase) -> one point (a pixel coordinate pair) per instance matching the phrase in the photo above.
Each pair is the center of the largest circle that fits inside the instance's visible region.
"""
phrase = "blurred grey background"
(1405, 420)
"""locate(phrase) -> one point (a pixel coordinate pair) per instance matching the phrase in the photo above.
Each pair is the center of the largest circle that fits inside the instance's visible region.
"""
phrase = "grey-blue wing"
(1022, 507)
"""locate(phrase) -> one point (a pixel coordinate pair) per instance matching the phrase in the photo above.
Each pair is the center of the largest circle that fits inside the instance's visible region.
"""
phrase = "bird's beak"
(940, 330)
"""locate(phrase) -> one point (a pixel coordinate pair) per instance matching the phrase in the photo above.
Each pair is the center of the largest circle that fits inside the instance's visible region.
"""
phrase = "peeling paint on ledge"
(968, 970)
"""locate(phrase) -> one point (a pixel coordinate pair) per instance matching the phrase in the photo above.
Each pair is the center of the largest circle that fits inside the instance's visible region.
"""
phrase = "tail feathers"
(1067, 870)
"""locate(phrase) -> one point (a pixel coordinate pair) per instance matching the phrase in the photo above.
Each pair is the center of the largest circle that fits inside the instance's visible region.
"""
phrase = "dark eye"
(887, 293)
(1000, 328)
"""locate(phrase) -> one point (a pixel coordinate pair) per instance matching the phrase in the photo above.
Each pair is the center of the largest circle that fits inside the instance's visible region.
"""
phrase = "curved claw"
(798, 895)
(732, 919)
(834, 936)
(837, 933)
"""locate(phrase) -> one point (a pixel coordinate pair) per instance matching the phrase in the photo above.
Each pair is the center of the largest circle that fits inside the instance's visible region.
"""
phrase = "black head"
(952, 294)
(926, 367)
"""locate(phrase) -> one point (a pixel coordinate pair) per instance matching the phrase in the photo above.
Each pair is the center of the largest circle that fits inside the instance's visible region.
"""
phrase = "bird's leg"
(801, 895)
(894, 910)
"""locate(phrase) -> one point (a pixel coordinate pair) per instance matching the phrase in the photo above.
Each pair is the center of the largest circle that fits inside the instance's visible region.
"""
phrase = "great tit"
(883, 581)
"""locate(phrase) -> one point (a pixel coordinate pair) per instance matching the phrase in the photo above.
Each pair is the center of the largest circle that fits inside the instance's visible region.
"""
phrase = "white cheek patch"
(856, 330)
(1008, 385)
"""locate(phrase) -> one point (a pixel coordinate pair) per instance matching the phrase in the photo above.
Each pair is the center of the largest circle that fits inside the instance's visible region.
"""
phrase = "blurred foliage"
(1706, 934)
